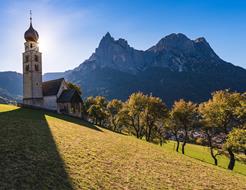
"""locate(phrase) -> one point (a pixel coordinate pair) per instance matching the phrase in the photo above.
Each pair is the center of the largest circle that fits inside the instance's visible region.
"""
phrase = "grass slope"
(40, 150)
(203, 153)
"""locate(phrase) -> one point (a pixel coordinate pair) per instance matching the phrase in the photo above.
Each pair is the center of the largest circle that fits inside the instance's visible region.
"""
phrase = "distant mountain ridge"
(175, 52)
(11, 85)
(176, 67)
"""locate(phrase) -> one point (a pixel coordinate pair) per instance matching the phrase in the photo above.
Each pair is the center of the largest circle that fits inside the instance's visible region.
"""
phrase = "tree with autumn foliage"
(236, 140)
(133, 111)
(223, 112)
(113, 108)
(96, 109)
(184, 117)
(75, 87)
(153, 115)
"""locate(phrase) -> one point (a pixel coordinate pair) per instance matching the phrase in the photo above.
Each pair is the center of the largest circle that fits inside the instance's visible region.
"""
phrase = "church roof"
(69, 95)
(31, 34)
(51, 88)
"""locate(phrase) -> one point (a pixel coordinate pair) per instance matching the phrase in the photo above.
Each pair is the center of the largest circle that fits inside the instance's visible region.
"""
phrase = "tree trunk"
(137, 134)
(177, 147)
(177, 140)
(138, 128)
(232, 159)
(148, 133)
(184, 142)
(211, 149)
(114, 126)
(135, 127)
(213, 156)
(183, 147)
(161, 141)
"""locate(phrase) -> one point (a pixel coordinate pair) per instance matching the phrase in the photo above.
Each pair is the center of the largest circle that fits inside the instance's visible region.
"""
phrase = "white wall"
(50, 102)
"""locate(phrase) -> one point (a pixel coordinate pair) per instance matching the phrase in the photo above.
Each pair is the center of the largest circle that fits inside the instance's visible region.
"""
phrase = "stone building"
(52, 95)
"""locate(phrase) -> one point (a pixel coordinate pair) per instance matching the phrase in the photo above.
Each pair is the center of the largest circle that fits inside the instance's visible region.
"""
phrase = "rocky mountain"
(176, 67)
(175, 52)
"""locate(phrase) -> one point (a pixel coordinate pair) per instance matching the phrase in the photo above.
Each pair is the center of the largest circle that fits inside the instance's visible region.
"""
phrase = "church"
(54, 95)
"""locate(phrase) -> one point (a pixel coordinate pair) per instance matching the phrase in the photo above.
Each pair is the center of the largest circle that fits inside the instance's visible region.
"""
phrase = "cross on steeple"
(31, 16)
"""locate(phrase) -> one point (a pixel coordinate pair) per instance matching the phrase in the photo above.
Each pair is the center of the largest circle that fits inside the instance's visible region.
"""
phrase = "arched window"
(36, 58)
(36, 68)
(31, 45)
(27, 68)
(26, 58)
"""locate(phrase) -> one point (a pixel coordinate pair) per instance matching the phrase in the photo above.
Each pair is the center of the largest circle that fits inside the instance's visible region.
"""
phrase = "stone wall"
(38, 102)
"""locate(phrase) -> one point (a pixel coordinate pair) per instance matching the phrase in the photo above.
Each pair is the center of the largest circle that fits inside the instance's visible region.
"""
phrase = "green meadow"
(202, 153)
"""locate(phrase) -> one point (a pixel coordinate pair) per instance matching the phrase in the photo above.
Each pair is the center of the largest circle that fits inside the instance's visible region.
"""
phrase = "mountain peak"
(106, 40)
(123, 43)
(202, 40)
(173, 41)
(108, 35)
(175, 36)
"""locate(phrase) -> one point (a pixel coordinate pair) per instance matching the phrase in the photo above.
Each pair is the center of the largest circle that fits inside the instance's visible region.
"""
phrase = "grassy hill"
(40, 150)
(203, 153)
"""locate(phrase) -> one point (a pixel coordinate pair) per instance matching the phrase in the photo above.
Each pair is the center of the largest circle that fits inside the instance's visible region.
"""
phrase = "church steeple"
(32, 68)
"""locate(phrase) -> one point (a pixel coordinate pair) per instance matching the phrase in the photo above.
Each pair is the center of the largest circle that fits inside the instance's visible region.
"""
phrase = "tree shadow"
(29, 158)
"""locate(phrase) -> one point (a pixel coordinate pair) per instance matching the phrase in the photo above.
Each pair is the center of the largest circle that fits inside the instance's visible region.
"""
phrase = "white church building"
(51, 95)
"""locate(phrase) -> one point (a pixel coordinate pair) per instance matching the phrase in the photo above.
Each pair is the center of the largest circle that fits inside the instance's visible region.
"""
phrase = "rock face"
(179, 53)
(176, 67)
(175, 52)
(115, 54)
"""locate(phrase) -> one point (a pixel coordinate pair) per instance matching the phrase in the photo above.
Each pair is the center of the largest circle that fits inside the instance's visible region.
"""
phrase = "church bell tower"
(32, 68)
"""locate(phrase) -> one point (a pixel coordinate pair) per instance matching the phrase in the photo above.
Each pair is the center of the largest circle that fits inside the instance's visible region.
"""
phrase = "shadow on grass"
(29, 158)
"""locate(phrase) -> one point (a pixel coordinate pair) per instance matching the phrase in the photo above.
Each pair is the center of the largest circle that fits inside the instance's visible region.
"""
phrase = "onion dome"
(31, 34)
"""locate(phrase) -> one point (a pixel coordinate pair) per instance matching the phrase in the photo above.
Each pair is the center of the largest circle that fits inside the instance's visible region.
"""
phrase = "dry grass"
(46, 151)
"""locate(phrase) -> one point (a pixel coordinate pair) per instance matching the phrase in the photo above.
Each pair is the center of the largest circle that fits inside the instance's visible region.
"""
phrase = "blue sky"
(70, 30)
